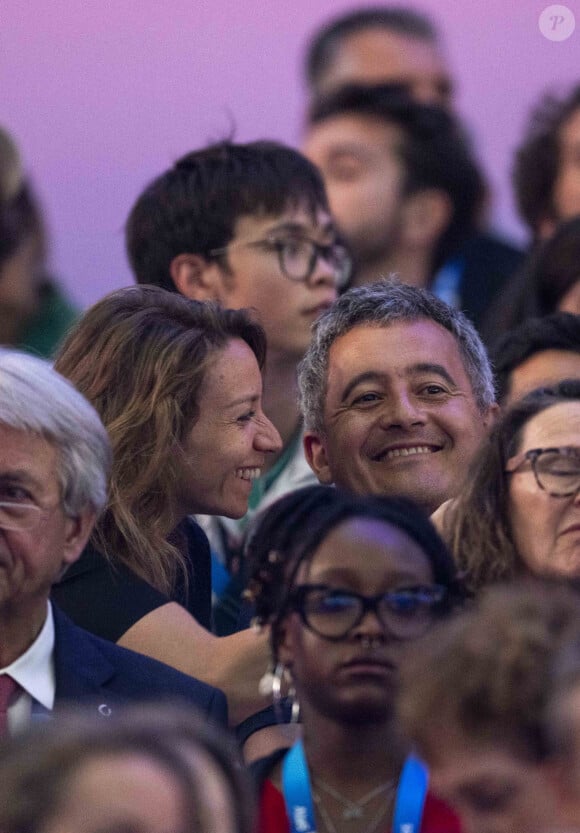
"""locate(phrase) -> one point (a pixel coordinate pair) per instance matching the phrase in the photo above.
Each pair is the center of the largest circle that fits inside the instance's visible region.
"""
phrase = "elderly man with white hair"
(54, 463)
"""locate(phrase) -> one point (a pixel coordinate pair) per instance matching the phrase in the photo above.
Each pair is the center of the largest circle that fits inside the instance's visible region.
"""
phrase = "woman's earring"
(266, 684)
(277, 696)
(295, 708)
(274, 683)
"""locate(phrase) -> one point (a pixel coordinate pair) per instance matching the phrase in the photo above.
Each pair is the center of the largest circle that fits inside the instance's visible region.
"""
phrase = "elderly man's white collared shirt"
(34, 672)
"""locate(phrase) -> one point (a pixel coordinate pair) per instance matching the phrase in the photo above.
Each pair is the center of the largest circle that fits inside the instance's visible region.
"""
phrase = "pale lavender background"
(102, 95)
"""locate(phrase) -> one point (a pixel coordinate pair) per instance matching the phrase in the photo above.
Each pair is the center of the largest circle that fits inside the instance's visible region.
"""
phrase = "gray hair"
(37, 399)
(380, 304)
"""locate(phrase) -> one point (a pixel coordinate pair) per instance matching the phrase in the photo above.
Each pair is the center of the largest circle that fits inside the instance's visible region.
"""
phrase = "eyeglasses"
(19, 516)
(297, 256)
(333, 613)
(557, 470)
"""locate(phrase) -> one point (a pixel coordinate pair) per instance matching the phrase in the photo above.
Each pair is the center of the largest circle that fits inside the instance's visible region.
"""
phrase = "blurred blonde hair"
(486, 674)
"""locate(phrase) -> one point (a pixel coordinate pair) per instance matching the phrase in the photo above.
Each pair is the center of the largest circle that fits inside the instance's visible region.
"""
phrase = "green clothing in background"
(44, 332)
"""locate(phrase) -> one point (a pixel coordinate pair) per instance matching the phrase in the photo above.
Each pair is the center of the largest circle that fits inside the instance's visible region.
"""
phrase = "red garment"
(8, 688)
(437, 817)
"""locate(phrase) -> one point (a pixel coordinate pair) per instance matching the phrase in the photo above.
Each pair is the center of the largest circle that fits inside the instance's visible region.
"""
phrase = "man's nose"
(402, 411)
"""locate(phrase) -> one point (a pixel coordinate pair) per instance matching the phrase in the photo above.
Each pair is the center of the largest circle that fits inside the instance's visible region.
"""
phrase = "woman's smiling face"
(226, 448)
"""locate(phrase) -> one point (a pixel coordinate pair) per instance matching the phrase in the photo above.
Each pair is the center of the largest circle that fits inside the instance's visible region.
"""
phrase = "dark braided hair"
(291, 530)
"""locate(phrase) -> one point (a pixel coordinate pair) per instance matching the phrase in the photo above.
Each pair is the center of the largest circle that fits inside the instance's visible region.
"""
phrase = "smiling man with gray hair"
(55, 457)
(397, 394)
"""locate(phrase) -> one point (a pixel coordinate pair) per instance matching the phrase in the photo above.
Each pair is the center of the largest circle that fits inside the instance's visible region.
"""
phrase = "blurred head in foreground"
(474, 696)
(145, 770)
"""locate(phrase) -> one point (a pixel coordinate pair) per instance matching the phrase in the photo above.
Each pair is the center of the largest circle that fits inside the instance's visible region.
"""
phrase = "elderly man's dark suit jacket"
(104, 674)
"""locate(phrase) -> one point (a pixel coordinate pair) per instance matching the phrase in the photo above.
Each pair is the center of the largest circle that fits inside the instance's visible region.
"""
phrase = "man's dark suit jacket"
(489, 263)
(104, 674)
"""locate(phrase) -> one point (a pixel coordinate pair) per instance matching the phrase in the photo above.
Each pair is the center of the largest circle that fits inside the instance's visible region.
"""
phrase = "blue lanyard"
(446, 284)
(297, 791)
(411, 794)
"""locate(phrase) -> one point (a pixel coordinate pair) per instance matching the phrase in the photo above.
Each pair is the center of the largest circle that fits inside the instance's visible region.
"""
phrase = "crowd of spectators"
(290, 529)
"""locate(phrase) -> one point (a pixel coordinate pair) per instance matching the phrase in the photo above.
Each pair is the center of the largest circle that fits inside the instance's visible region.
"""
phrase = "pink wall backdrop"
(103, 95)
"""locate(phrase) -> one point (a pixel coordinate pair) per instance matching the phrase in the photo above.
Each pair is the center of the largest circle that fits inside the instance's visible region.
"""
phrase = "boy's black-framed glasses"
(298, 256)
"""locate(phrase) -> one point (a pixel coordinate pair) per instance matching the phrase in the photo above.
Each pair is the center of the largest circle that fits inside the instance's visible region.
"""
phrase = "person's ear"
(77, 532)
(197, 278)
(316, 457)
(426, 215)
(491, 415)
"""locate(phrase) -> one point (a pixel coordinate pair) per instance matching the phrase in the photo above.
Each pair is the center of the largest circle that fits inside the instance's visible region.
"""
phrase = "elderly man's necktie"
(8, 688)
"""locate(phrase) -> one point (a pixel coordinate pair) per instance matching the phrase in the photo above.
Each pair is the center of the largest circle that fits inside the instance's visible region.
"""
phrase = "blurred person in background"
(396, 44)
(405, 192)
(377, 45)
(34, 313)
(554, 271)
(546, 176)
(546, 183)
(549, 282)
(539, 353)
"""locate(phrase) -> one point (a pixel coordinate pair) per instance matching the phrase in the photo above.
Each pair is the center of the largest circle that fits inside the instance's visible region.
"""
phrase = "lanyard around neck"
(409, 802)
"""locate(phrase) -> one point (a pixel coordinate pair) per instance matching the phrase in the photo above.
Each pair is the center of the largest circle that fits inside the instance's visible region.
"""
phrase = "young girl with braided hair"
(345, 584)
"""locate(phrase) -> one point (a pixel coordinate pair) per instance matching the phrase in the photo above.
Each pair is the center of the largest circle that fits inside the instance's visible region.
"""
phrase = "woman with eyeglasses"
(346, 584)
(520, 511)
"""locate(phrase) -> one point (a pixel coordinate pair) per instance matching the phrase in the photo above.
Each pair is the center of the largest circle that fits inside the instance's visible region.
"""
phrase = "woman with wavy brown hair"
(520, 509)
(178, 386)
